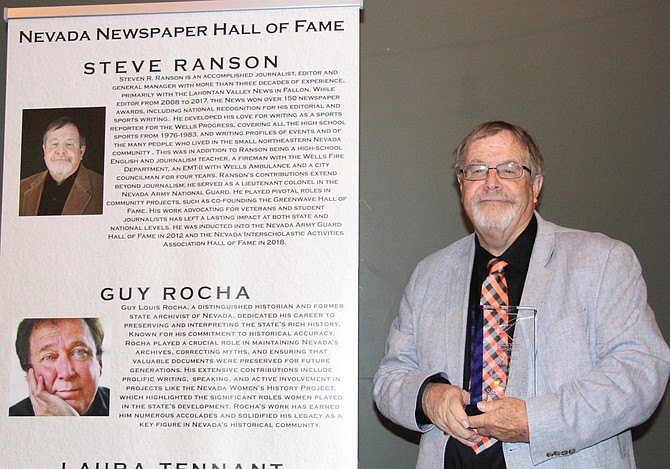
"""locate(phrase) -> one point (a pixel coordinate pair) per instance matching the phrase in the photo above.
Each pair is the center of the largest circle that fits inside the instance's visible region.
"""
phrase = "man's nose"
(65, 368)
(492, 178)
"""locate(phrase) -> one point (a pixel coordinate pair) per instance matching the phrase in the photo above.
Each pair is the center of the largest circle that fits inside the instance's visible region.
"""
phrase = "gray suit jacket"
(602, 364)
(85, 196)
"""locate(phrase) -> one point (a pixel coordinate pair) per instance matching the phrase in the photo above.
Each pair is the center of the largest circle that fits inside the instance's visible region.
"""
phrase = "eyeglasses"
(478, 172)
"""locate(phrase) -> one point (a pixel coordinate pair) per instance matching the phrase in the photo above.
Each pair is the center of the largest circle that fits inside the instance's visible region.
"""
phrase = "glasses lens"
(475, 171)
(509, 170)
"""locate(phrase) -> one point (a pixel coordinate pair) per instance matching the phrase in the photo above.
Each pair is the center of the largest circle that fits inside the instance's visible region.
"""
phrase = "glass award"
(511, 344)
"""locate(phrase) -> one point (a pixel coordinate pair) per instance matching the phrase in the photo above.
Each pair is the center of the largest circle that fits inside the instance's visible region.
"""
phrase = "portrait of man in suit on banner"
(67, 186)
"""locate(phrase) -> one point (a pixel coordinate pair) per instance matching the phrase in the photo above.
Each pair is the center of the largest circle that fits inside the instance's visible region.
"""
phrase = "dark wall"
(589, 80)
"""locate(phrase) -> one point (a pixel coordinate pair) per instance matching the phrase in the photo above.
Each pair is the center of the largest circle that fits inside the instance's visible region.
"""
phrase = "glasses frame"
(497, 168)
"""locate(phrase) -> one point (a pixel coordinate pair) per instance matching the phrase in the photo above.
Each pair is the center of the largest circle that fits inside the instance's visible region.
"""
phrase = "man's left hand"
(44, 402)
(503, 419)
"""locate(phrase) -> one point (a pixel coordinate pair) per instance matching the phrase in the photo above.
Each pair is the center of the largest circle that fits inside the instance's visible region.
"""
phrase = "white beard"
(61, 167)
(493, 219)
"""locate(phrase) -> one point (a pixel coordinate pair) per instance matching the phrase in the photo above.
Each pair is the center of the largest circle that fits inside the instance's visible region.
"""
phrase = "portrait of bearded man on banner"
(67, 186)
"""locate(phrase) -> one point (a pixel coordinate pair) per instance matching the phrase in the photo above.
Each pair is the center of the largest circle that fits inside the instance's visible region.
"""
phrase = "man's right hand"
(45, 403)
(444, 404)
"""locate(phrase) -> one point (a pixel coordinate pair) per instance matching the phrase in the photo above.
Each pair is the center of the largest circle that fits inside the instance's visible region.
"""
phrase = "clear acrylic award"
(514, 347)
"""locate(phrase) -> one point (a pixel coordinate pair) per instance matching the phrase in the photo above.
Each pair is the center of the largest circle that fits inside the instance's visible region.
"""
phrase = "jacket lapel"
(31, 198)
(79, 194)
(521, 381)
(456, 311)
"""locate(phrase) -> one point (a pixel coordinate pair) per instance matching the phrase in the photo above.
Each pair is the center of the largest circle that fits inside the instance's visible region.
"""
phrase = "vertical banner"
(179, 244)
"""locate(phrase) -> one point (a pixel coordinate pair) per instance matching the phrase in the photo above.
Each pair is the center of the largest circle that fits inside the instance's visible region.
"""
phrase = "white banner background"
(229, 234)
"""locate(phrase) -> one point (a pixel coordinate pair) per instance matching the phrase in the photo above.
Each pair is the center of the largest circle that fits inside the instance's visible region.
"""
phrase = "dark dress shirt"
(458, 455)
(54, 195)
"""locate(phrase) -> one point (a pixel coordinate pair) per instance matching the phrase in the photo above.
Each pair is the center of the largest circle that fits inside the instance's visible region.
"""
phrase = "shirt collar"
(517, 255)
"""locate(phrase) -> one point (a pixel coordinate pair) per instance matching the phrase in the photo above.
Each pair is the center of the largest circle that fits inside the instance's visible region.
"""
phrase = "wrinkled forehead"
(54, 332)
(66, 131)
(502, 145)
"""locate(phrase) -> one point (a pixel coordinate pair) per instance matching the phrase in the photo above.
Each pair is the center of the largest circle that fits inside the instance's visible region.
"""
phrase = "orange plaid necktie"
(494, 351)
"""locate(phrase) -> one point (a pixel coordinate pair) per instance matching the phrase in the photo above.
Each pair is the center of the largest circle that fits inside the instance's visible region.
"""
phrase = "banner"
(179, 240)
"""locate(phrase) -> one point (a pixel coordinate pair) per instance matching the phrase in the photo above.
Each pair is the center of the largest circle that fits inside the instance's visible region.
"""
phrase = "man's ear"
(537, 186)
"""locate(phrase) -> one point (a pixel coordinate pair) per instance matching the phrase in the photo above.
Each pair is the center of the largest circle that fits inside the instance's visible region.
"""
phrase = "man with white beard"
(591, 364)
(67, 187)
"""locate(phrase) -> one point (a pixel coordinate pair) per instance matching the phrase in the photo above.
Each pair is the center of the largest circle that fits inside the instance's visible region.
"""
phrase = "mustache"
(497, 197)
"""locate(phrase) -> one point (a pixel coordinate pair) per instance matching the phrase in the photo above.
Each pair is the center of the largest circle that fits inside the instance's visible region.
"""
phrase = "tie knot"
(496, 265)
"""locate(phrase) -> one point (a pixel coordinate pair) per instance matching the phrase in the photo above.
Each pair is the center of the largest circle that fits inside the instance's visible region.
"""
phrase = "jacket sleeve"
(399, 379)
(609, 365)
